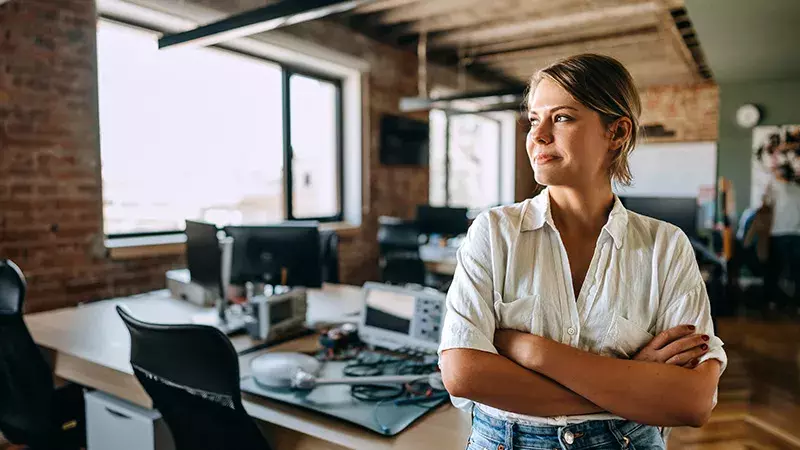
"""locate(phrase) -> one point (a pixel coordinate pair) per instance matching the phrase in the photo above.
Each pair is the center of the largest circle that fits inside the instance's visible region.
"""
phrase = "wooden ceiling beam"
(648, 76)
(383, 5)
(598, 45)
(498, 11)
(642, 68)
(505, 30)
(674, 39)
(626, 55)
(675, 4)
(423, 12)
(598, 31)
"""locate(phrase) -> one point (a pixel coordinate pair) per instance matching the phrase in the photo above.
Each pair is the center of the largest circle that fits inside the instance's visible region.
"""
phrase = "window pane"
(438, 152)
(315, 181)
(474, 157)
(186, 133)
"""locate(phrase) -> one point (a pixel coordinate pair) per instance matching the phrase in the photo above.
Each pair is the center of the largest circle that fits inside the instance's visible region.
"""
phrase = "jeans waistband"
(595, 434)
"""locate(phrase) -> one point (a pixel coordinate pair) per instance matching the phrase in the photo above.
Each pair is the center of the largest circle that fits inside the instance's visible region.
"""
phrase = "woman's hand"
(514, 345)
(678, 346)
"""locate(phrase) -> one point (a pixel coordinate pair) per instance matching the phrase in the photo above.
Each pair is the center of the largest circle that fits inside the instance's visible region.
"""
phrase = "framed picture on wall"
(775, 162)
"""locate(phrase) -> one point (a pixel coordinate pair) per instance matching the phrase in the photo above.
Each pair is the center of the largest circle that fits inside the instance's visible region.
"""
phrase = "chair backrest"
(329, 258)
(402, 270)
(26, 381)
(397, 236)
(191, 373)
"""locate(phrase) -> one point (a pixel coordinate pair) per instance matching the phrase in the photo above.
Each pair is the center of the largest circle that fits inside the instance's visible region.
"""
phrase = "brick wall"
(50, 198)
(691, 111)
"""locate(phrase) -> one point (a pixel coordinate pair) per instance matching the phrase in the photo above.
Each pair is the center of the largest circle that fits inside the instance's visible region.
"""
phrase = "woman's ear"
(620, 132)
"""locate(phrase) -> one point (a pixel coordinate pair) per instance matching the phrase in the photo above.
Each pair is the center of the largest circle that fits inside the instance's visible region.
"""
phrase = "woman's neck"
(581, 210)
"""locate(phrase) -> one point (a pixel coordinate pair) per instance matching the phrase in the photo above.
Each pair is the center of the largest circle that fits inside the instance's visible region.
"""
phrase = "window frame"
(500, 142)
(287, 70)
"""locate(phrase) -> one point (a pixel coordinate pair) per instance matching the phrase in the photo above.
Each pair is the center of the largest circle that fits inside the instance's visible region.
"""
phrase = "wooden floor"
(759, 395)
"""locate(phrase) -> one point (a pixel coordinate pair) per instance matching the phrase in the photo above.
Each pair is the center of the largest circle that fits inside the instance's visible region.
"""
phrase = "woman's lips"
(542, 159)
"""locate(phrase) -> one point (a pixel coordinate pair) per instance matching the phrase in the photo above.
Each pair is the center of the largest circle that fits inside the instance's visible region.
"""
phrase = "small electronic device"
(397, 317)
(181, 287)
(277, 316)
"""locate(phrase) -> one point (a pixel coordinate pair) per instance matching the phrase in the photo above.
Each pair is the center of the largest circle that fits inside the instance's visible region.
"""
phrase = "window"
(211, 134)
(316, 190)
(465, 160)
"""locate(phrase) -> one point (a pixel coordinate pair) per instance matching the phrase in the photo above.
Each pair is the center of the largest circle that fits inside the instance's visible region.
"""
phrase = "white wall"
(671, 170)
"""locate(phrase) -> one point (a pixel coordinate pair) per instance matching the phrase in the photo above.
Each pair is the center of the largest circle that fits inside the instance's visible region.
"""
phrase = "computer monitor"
(442, 220)
(679, 211)
(204, 255)
(280, 255)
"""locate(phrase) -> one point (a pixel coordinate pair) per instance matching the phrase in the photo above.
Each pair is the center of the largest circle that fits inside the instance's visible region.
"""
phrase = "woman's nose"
(541, 134)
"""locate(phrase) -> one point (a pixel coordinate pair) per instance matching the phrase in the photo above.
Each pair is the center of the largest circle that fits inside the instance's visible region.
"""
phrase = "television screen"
(404, 141)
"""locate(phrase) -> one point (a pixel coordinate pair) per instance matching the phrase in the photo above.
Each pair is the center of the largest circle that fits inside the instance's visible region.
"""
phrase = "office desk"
(90, 346)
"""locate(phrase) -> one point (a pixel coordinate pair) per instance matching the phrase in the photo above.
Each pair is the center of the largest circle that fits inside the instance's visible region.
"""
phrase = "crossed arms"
(662, 385)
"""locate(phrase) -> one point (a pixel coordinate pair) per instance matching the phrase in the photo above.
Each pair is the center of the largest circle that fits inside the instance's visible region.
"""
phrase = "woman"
(571, 322)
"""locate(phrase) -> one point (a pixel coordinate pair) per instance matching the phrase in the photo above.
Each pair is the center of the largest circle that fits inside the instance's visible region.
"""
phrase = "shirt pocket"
(624, 338)
(517, 314)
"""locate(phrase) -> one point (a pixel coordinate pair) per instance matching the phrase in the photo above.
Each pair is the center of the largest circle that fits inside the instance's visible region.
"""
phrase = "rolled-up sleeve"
(469, 320)
(693, 308)
(687, 301)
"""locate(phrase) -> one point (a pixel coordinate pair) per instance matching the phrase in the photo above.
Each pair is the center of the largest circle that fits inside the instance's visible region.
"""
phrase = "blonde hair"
(604, 85)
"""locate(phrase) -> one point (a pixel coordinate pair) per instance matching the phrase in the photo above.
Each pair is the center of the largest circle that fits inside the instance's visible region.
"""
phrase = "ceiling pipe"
(270, 17)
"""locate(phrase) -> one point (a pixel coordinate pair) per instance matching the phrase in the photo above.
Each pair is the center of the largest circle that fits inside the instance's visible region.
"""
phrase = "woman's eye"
(534, 121)
(561, 118)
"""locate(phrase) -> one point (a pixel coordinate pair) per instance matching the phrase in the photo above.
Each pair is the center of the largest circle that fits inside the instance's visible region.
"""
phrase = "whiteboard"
(671, 169)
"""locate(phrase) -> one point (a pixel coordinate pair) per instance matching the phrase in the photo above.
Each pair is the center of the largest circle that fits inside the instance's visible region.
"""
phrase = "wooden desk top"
(91, 347)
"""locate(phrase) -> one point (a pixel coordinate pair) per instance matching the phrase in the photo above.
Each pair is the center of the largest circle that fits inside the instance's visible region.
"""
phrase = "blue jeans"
(489, 433)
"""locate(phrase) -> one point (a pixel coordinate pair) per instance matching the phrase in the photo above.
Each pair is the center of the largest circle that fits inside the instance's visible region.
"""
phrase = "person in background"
(572, 322)
(779, 247)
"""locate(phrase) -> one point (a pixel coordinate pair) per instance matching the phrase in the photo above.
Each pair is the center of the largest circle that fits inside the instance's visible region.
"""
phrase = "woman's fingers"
(688, 357)
(682, 345)
(666, 337)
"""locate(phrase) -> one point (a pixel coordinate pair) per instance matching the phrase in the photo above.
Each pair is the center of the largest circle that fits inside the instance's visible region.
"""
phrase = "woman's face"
(567, 143)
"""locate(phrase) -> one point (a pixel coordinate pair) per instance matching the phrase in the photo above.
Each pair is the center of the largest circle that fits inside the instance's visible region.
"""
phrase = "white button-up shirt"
(513, 273)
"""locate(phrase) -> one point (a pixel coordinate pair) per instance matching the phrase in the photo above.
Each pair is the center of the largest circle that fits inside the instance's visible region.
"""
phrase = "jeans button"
(569, 438)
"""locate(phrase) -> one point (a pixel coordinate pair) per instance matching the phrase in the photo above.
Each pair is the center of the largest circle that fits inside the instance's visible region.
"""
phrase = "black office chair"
(398, 237)
(329, 257)
(192, 374)
(398, 241)
(32, 411)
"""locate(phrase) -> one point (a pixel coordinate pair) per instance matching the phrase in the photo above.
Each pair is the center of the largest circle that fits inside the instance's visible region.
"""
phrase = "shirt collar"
(538, 213)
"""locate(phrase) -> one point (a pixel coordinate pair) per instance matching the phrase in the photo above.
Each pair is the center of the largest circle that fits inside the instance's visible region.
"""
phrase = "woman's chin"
(548, 177)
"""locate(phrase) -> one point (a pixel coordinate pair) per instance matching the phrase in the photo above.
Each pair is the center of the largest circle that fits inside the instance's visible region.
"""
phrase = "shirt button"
(571, 331)
(569, 438)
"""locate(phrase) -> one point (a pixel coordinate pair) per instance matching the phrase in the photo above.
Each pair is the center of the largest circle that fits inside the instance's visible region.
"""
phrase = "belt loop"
(623, 440)
(509, 436)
